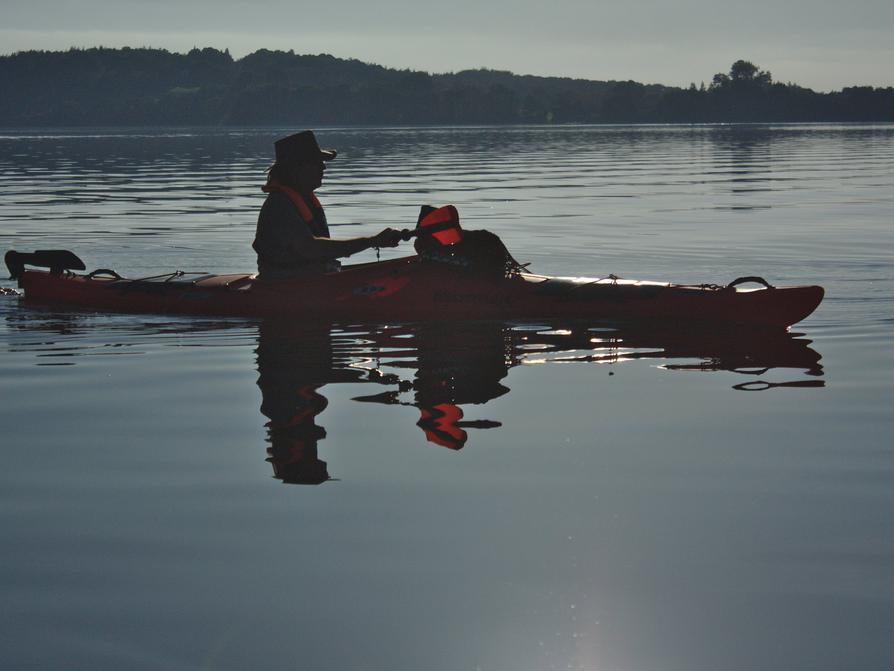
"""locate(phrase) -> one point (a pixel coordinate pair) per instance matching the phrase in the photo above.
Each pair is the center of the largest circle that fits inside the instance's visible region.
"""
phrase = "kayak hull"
(410, 289)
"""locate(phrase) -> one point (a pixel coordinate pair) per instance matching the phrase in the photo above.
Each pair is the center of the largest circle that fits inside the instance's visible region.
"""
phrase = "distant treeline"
(207, 87)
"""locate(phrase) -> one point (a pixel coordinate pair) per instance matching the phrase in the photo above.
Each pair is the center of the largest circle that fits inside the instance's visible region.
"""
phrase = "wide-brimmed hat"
(301, 148)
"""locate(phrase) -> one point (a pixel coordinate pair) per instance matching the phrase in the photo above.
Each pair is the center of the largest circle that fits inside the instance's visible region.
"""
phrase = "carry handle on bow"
(750, 278)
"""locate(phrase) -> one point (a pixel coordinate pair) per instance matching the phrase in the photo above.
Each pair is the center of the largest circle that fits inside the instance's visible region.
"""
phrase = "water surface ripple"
(193, 493)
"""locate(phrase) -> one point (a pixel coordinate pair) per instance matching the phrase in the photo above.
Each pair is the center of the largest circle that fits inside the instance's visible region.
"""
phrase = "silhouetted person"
(292, 236)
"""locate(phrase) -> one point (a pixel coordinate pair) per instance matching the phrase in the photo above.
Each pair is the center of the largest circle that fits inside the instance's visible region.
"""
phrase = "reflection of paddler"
(294, 362)
(457, 365)
(293, 444)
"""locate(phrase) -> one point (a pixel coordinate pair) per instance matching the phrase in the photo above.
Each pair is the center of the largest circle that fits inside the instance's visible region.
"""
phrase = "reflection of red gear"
(439, 424)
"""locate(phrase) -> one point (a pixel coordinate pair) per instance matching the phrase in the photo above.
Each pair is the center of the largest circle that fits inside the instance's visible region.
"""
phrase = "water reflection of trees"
(440, 368)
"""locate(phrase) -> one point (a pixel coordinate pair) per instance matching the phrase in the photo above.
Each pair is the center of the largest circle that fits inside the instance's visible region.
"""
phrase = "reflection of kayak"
(451, 372)
(415, 289)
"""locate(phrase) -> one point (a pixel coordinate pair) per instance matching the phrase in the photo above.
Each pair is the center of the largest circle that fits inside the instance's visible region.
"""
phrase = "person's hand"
(387, 238)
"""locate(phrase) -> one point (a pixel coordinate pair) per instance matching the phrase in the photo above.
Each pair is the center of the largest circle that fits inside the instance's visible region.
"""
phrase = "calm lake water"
(184, 493)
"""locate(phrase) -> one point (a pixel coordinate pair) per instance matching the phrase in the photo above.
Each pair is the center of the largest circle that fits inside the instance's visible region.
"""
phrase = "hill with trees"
(207, 87)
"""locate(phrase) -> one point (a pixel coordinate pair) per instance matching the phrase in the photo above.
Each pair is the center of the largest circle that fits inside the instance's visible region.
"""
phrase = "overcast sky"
(819, 44)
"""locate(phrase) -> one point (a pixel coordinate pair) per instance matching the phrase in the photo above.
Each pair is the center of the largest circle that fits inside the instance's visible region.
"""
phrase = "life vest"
(317, 224)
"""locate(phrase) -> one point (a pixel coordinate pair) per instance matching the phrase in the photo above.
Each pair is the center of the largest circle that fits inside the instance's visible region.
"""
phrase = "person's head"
(300, 162)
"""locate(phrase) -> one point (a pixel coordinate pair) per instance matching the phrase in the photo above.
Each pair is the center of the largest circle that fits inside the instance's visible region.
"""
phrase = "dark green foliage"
(747, 94)
(94, 87)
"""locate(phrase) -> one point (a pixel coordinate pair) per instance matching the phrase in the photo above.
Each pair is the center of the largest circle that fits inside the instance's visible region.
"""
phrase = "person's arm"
(317, 249)
(282, 234)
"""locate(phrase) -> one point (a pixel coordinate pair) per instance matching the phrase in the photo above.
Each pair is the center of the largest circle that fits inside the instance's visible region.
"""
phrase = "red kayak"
(415, 288)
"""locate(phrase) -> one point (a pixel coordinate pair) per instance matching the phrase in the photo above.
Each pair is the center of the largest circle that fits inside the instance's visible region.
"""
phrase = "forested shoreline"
(207, 87)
